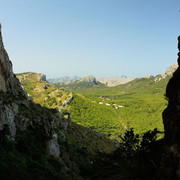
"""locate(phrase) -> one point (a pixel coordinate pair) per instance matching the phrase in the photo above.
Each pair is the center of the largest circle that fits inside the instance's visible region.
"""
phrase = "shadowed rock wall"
(170, 165)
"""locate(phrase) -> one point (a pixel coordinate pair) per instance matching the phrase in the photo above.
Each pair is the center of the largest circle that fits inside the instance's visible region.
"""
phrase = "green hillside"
(138, 104)
(43, 93)
(83, 84)
(109, 110)
(100, 117)
(139, 85)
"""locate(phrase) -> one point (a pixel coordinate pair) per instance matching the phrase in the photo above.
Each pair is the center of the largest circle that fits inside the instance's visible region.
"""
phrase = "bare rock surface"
(54, 146)
(169, 71)
(17, 109)
(8, 81)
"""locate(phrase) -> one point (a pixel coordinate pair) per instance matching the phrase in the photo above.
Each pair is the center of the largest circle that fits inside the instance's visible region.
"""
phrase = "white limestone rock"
(53, 146)
(169, 71)
(8, 81)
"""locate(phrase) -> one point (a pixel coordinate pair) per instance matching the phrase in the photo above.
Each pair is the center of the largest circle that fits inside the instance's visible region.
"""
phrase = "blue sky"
(99, 37)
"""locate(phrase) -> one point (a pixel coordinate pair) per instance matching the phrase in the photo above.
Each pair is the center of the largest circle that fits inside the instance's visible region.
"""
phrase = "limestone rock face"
(89, 79)
(54, 146)
(10, 87)
(67, 102)
(17, 109)
(169, 71)
(31, 77)
(8, 82)
(148, 76)
(171, 119)
(42, 77)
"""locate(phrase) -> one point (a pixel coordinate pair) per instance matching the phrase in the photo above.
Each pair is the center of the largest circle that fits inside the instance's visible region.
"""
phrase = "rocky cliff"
(170, 167)
(8, 81)
(31, 76)
(10, 88)
(19, 113)
(37, 142)
(87, 79)
(169, 71)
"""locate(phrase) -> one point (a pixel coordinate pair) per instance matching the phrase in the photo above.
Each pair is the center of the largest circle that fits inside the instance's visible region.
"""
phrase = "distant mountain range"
(114, 81)
(63, 78)
(75, 83)
(108, 81)
(90, 82)
(79, 84)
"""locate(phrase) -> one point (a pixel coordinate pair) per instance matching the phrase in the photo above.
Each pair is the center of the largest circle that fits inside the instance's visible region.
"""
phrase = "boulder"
(53, 146)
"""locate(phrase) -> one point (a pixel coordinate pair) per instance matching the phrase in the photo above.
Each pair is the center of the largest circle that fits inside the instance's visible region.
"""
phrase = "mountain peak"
(169, 72)
(114, 81)
(149, 76)
(89, 78)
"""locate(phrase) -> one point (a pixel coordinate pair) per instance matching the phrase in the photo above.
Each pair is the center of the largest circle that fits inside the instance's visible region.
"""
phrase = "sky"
(91, 37)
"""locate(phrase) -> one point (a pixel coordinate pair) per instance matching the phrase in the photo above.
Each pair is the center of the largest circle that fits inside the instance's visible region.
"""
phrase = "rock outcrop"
(10, 89)
(87, 79)
(170, 164)
(115, 81)
(31, 134)
(67, 101)
(54, 146)
(31, 76)
(148, 76)
(8, 82)
(18, 111)
(80, 84)
(169, 71)
(42, 77)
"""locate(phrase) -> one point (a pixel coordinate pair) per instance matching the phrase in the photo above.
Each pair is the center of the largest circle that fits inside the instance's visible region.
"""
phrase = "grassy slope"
(43, 92)
(101, 118)
(143, 102)
(80, 86)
